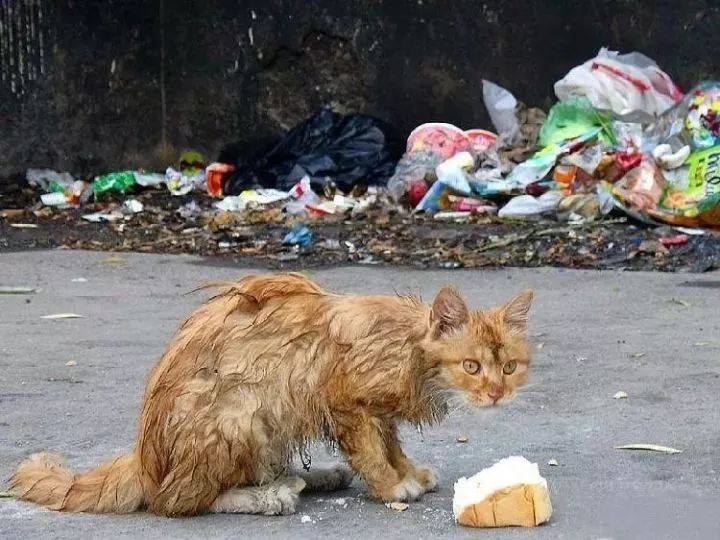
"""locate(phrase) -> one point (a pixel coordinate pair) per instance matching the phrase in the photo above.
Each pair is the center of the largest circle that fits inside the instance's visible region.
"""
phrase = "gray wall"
(88, 85)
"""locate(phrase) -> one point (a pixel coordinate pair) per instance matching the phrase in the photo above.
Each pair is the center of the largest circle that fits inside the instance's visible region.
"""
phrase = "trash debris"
(620, 395)
(306, 519)
(183, 182)
(397, 506)
(71, 363)
(553, 462)
(462, 439)
(132, 206)
(48, 180)
(680, 302)
(215, 176)
(501, 105)
(621, 173)
(574, 118)
(189, 211)
(61, 316)
(650, 448)
(526, 206)
(114, 182)
(676, 240)
(621, 83)
(17, 290)
(332, 149)
(299, 235)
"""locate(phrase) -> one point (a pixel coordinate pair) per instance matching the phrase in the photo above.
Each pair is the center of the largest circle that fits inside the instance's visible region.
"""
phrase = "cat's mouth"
(487, 401)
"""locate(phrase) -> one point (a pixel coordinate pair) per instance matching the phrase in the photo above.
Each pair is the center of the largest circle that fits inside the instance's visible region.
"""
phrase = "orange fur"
(273, 362)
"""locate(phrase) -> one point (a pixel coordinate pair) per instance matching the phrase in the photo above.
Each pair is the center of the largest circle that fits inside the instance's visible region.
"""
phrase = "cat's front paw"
(408, 489)
(427, 478)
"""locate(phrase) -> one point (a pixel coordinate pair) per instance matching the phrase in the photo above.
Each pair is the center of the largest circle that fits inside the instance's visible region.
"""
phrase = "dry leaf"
(71, 363)
(113, 260)
(11, 212)
(462, 439)
(57, 316)
(553, 462)
(17, 290)
(681, 302)
(398, 506)
(620, 395)
(649, 447)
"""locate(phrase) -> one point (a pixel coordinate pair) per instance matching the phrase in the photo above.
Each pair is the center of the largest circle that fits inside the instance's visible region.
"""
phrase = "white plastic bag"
(621, 83)
(501, 104)
(526, 206)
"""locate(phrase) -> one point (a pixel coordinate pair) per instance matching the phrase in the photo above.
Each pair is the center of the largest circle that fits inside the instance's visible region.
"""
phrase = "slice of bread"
(510, 493)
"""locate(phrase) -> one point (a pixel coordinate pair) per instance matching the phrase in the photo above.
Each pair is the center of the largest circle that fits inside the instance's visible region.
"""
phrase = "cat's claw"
(408, 489)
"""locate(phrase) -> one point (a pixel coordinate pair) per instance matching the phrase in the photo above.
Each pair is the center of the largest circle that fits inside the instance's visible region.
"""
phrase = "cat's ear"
(515, 312)
(449, 312)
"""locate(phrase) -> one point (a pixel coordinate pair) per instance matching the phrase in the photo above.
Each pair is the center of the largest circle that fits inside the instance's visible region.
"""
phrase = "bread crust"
(523, 505)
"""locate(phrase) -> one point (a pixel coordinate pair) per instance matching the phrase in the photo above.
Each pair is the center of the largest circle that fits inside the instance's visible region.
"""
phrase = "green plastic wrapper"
(572, 118)
(118, 182)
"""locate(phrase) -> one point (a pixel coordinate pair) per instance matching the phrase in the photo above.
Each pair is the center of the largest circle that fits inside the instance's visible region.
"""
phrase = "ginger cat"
(273, 362)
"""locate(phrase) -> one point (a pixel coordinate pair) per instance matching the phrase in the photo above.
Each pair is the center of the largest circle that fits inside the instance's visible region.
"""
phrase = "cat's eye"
(471, 366)
(509, 367)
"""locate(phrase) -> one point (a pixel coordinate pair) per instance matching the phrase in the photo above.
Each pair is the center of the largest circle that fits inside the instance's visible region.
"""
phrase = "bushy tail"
(114, 486)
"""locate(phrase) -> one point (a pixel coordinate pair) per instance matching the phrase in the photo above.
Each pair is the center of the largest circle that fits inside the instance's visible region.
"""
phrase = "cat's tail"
(114, 486)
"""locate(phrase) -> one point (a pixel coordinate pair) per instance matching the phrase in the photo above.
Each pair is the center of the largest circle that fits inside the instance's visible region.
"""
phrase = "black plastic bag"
(345, 150)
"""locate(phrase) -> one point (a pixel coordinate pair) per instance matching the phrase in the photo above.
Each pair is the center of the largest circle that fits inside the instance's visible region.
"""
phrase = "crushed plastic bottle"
(118, 182)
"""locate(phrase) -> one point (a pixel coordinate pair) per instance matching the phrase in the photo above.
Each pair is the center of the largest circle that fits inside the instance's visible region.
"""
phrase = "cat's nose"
(495, 392)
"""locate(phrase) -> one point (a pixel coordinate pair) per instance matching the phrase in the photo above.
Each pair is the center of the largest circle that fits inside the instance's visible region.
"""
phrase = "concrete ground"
(654, 336)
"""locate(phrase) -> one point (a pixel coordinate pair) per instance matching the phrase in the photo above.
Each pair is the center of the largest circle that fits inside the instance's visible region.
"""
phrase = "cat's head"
(483, 354)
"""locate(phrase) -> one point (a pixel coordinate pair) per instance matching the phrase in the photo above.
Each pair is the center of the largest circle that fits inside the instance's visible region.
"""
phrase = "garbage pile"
(622, 143)
(622, 136)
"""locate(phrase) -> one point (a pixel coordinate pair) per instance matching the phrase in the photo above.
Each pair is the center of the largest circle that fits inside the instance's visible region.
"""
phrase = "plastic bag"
(571, 118)
(301, 195)
(414, 167)
(527, 206)
(48, 180)
(539, 166)
(501, 105)
(621, 83)
(452, 177)
(299, 235)
(348, 150)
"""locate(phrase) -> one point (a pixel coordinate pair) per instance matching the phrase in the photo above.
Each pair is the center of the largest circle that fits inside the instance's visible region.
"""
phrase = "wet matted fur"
(275, 361)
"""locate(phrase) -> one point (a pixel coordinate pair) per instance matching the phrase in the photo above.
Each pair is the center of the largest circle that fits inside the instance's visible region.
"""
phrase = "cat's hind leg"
(275, 499)
(330, 479)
